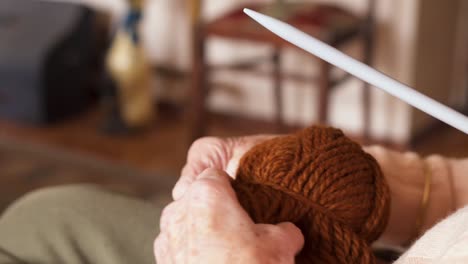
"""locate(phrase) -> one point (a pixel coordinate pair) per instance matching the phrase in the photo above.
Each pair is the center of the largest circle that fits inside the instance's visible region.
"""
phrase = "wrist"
(442, 196)
(407, 175)
(458, 169)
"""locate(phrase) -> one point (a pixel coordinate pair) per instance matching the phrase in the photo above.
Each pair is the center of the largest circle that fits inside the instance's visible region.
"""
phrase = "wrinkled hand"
(208, 225)
(215, 153)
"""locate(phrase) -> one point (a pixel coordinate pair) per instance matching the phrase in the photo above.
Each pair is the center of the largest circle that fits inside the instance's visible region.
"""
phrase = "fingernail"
(231, 168)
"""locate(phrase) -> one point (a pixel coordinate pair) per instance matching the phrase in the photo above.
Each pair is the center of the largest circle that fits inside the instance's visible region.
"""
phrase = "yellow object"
(424, 205)
(424, 198)
(137, 4)
(195, 11)
(129, 68)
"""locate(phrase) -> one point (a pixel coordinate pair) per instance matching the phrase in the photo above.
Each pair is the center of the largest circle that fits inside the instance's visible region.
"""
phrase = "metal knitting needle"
(362, 71)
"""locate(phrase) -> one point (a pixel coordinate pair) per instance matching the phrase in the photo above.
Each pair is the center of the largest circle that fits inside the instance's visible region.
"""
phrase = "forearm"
(406, 176)
(459, 171)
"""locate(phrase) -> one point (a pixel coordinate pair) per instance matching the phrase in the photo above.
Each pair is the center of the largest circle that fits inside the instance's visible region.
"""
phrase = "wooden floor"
(27, 167)
(161, 149)
(164, 145)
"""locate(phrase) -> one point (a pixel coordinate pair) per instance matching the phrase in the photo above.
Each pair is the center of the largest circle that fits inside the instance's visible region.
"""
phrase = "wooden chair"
(333, 25)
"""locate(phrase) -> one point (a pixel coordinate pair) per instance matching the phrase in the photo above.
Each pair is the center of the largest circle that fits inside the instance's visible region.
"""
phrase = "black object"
(113, 124)
(49, 59)
(387, 255)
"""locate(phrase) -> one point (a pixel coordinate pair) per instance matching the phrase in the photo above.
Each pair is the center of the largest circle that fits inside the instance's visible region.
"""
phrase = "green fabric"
(78, 224)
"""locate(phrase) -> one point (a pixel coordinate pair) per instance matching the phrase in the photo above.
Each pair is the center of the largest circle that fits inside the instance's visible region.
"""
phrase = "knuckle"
(166, 213)
(206, 188)
(160, 246)
(273, 232)
(158, 242)
(206, 141)
(170, 215)
(209, 193)
(212, 172)
(284, 230)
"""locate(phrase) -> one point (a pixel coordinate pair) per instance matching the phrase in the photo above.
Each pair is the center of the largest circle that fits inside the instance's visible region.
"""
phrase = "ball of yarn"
(324, 183)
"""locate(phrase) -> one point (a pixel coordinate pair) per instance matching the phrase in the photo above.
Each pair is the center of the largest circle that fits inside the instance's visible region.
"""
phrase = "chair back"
(195, 7)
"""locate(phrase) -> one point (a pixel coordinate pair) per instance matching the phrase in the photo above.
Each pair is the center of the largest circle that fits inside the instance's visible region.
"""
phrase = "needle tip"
(248, 11)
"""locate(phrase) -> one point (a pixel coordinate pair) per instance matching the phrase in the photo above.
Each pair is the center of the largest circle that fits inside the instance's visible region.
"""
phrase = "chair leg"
(199, 91)
(324, 91)
(366, 113)
(368, 44)
(277, 93)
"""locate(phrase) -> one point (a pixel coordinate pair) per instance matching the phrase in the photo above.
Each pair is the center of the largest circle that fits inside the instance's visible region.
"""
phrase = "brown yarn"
(325, 184)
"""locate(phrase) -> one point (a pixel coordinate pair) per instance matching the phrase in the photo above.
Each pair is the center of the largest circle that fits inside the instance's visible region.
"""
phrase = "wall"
(394, 55)
(167, 41)
(459, 93)
(436, 56)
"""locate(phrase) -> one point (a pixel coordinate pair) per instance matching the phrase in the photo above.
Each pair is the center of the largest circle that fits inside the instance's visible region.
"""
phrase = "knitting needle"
(362, 71)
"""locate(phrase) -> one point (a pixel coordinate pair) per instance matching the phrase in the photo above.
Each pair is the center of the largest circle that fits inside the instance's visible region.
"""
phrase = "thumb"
(213, 187)
(291, 235)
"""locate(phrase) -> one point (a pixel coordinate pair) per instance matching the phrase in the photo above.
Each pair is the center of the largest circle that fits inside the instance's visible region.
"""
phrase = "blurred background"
(113, 92)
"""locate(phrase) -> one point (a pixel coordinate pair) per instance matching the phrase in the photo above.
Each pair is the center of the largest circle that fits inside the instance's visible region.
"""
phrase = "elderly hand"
(215, 153)
(208, 225)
